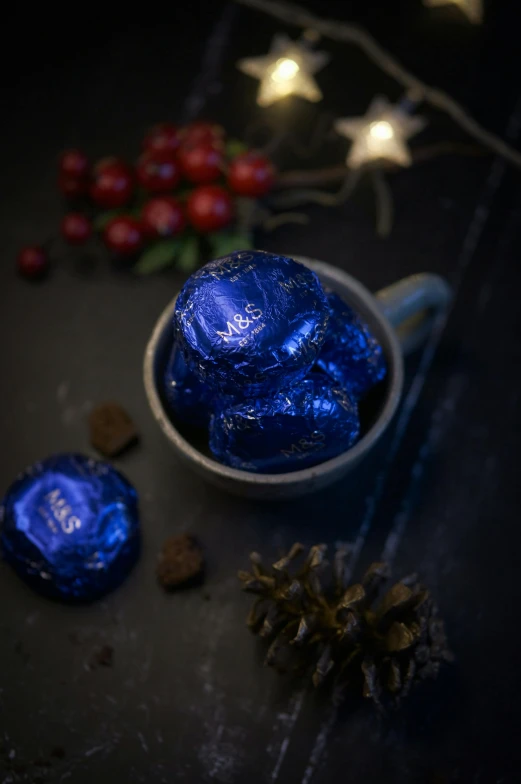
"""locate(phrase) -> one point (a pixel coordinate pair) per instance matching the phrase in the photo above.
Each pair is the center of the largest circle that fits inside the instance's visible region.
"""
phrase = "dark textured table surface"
(187, 698)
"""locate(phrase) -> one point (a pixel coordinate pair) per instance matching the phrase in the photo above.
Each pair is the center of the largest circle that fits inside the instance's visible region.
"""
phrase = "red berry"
(113, 185)
(74, 163)
(163, 216)
(202, 133)
(76, 228)
(210, 208)
(73, 187)
(202, 163)
(251, 174)
(158, 172)
(32, 262)
(123, 235)
(162, 138)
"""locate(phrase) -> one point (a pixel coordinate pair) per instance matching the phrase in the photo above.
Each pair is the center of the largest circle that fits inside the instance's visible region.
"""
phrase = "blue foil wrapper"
(351, 355)
(188, 398)
(302, 426)
(251, 322)
(69, 526)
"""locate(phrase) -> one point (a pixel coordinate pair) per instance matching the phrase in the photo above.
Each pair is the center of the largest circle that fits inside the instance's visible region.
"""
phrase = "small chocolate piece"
(58, 752)
(103, 657)
(111, 429)
(181, 562)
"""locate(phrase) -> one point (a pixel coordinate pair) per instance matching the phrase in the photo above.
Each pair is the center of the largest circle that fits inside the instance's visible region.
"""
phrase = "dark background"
(187, 698)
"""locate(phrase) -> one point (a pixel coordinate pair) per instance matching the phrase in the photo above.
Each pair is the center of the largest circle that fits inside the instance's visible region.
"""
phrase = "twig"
(299, 196)
(349, 185)
(384, 203)
(279, 138)
(274, 221)
(330, 175)
(342, 31)
(422, 154)
(275, 143)
(322, 126)
(258, 126)
(311, 178)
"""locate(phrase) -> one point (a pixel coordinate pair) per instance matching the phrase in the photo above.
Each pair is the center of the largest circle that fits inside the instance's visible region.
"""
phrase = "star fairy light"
(287, 69)
(381, 134)
(473, 9)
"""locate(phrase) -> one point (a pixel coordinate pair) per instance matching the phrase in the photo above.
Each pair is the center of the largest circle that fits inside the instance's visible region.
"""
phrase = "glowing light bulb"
(284, 70)
(380, 134)
(381, 130)
(287, 69)
(473, 9)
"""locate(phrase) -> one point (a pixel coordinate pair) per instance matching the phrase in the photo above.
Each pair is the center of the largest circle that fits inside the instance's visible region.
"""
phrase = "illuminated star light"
(287, 69)
(380, 134)
(472, 8)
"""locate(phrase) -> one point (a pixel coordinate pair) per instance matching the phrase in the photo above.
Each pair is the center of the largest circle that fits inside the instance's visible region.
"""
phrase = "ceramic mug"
(400, 317)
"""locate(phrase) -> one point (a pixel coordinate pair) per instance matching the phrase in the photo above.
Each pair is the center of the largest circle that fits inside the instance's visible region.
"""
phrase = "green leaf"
(183, 193)
(141, 196)
(161, 255)
(235, 147)
(225, 242)
(101, 220)
(188, 257)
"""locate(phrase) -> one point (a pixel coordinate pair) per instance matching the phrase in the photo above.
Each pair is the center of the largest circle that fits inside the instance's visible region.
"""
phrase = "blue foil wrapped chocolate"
(310, 422)
(350, 355)
(70, 528)
(251, 322)
(188, 398)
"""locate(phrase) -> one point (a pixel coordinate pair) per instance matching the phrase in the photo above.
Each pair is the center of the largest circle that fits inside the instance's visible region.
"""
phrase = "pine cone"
(314, 617)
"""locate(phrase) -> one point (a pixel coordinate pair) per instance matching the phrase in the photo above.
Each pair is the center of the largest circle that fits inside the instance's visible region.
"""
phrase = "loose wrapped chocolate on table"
(251, 322)
(69, 526)
(312, 421)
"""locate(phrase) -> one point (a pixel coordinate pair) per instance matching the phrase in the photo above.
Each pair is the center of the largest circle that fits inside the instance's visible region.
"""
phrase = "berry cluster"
(186, 181)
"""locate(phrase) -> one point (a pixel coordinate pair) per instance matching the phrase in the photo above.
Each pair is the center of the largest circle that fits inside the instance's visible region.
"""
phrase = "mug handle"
(412, 304)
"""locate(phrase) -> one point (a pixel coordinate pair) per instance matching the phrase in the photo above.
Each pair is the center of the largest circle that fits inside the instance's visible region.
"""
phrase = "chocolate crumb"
(104, 657)
(111, 429)
(180, 563)
(41, 762)
(21, 652)
(74, 637)
(207, 597)
(58, 752)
